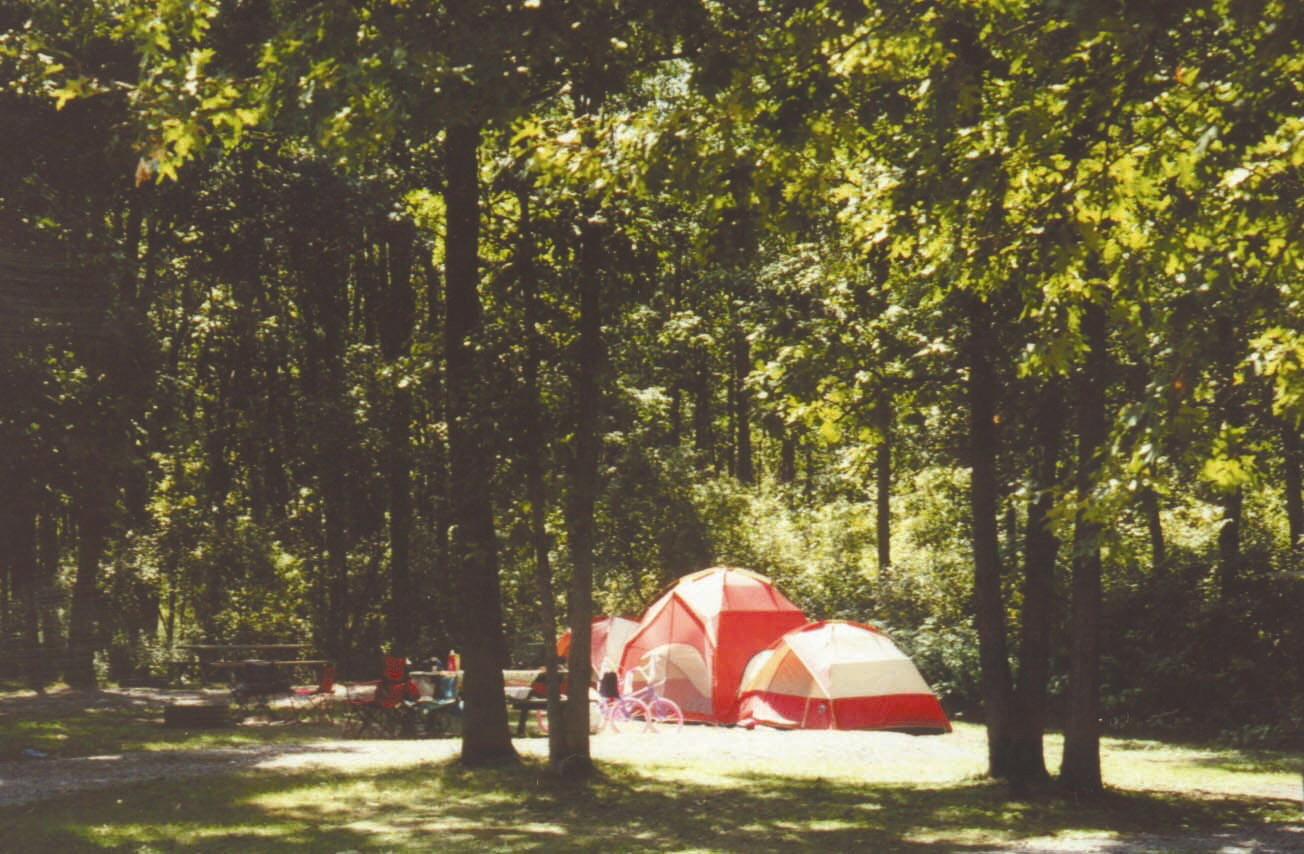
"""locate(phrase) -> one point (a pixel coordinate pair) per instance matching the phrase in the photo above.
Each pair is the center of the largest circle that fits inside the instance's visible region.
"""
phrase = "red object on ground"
(607, 641)
(838, 675)
(695, 640)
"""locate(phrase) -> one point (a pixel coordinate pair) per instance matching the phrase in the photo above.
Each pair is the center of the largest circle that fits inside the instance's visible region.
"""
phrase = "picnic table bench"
(521, 699)
(204, 659)
(275, 662)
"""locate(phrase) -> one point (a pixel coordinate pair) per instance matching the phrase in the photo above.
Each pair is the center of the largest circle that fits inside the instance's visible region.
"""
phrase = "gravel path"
(868, 756)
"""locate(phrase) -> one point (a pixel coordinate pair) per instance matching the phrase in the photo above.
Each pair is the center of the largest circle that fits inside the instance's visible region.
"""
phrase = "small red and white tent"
(695, 640)
(606, 642)
(838, 675)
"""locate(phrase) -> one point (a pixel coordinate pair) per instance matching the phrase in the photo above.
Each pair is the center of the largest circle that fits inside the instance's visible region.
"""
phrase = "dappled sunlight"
(703, 788)
(522, 808)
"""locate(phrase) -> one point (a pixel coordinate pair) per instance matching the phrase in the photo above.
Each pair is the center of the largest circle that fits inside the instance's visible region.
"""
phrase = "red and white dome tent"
(607, 642)
(838, 675)
(695, 640)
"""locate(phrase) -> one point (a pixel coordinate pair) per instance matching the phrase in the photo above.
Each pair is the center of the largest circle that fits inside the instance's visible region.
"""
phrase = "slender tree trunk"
(787, 456)
(1230, 402)
(1232, 500)
(1154, 528)
(18, 537)
(1041, 547)
(47, 567)
(335, 497)
(989, 615)
(703, 443)
(403, 615)
(536, 489)
(883, 502)
(396, 325)
(28, 573)
(485, 734)
(9, 593)
(1229, 543)
(1294, 490)
(1080, 769)
(83, 617)
(584, 493)
(437, 495)
(745, 468)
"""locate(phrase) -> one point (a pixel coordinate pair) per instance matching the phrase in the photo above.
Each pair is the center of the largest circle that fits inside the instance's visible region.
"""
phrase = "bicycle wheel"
(628, 711)
(595, 718)
(602, 715)
(664, 712)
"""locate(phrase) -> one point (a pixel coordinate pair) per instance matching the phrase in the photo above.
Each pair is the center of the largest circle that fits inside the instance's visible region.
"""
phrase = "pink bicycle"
(608, 710)
(640, 685)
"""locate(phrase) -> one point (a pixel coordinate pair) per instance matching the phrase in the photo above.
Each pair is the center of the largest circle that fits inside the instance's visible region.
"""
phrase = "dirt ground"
(873, 756)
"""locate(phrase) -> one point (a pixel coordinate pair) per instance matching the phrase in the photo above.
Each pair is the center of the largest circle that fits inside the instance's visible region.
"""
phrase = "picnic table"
(521, 698)
(207, 658)
(527, 692)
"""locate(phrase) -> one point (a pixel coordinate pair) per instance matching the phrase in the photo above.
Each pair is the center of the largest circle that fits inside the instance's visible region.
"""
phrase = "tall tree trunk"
(485, 734)
(1294, 490)
(883, 501)
(1230, 401)
(703, 442)
(25, 562)
(403, 614)
(1229, 543)
(534, 445)
(47, 567)
(18, 539)
(436, 495)
(395, 327)
(989, 615)
(83, 619)
(745, 469)
(584, 493)
(1080, 769)
(787, 455)
(1041, 546)
(335, 494)
(1154, 529)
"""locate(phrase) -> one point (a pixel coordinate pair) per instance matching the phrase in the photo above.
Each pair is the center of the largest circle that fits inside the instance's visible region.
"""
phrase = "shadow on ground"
(442, 806)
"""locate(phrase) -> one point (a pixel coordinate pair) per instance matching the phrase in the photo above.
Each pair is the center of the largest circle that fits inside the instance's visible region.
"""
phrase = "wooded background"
(420, 325)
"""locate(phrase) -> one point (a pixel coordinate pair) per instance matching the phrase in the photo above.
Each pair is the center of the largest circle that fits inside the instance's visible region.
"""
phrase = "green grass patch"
(903, 795)
(445, 807)
(71, 723)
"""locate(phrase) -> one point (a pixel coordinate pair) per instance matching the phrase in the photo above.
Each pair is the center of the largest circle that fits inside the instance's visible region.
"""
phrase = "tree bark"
(533, 449)
(1080, 768)
(47, 567)
(1229, 543)
(1041, 546)
(989, 617)
(19, 563)
(745, 469)
(396, 326)
(485, 734)
(584, 493)
(787, 456)
(703, 442)
(1154, 529)
(882, 503)
(1294, 491)
(1230, 401)
(83, 618)
(25, 563)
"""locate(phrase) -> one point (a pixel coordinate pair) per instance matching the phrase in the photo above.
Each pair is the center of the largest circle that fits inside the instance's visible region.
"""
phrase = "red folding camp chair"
(316, 703)
(385, 709)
